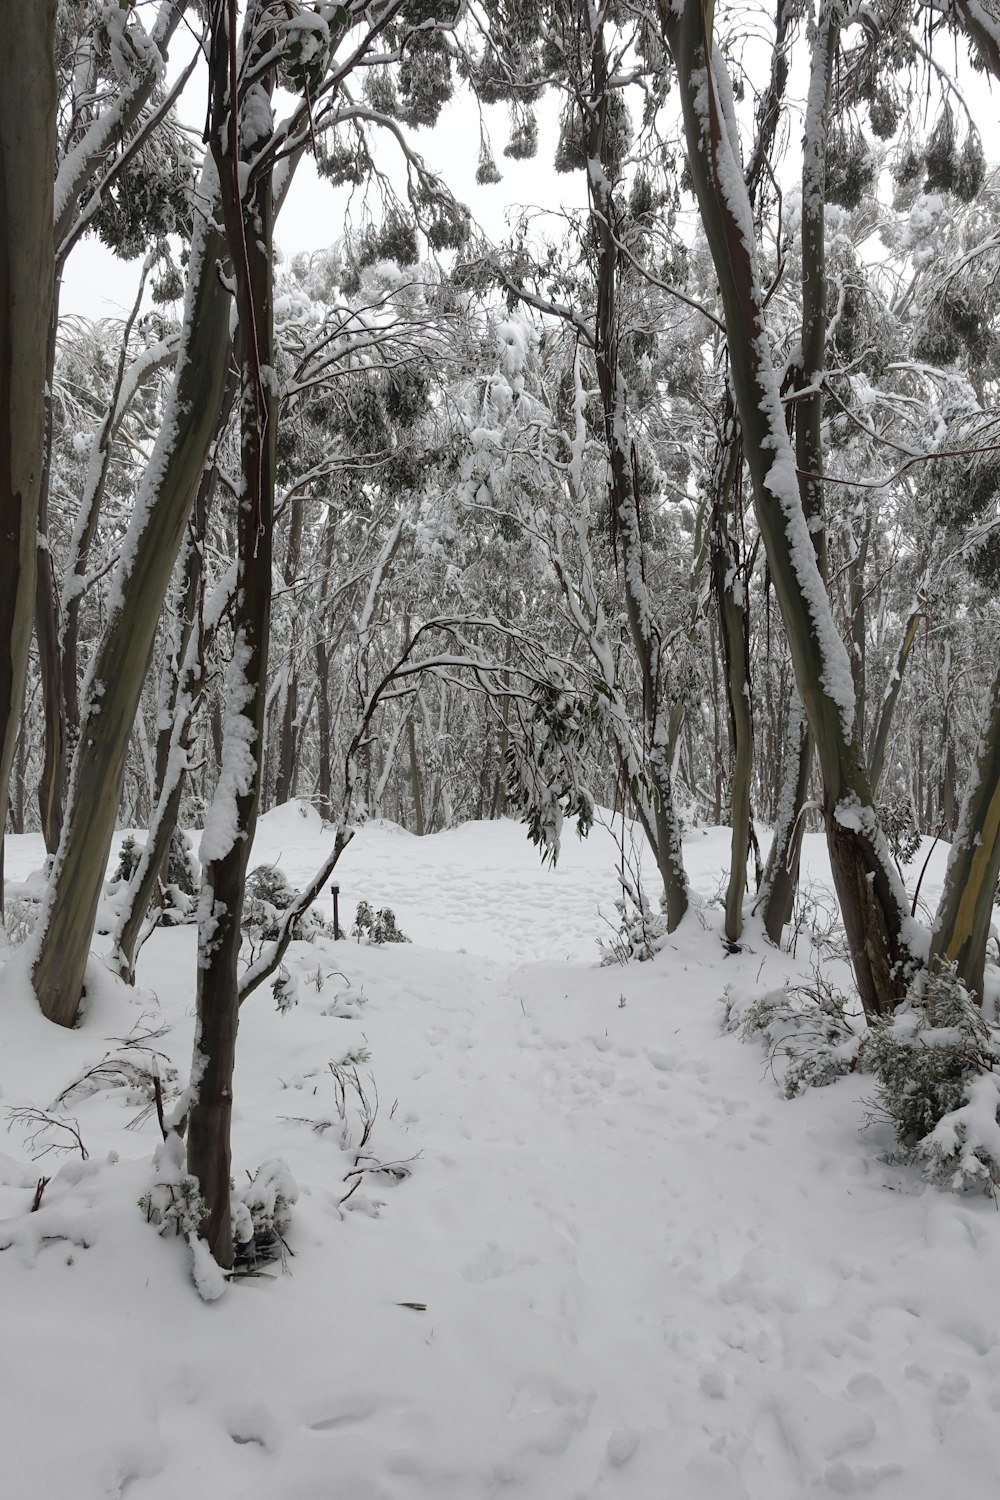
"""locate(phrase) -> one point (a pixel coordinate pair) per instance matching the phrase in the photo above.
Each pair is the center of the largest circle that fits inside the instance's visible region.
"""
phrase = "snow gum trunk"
(868, 886)
(27, 151)
(729, 588)
(116, 677)
(232, 819)
(962, 926)
(625, 495)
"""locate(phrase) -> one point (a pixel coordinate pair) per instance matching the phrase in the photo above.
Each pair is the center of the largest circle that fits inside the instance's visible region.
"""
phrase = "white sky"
(97, 285)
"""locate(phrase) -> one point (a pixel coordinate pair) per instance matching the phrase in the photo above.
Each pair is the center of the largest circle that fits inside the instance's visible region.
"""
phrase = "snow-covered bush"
(935, 1064)
(19, 919)
(269, 894)
(285, 989)
(174, 1203)
(641, 932)
(376, 926)
(808, 1026)
(262, 1212)
(180, 881)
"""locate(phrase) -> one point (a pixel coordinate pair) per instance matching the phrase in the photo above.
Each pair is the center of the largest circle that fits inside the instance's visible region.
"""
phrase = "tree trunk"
(232, 819)
(962, 925)
(285, 771)
(776, 898)
(55, 740)
(876, 758)
(870, 891)
(27, 151)
(118, 671)
(729, 585)
(625, 498)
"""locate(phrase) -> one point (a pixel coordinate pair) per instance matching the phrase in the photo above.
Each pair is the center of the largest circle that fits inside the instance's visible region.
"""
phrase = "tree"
(27, 148)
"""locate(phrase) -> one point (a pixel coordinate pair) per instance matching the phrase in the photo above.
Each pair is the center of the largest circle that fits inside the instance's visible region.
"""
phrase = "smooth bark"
(27, 150)
(117, 674)
(962, 924)
(870, 891)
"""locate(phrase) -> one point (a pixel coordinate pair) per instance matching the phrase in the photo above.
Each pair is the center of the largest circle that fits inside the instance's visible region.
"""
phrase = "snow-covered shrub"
(269, 894)
(19, 919)
(641, 932)
(139, 1072)
(934, 1062)
(174, 1203)
(262, 1212)
(183, 880)
(376, 926)
(285, 989)
(808, 1026)
(270, 883)
(180, 880)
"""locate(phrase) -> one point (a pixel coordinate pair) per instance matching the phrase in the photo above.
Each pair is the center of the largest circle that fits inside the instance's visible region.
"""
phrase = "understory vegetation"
(683, 503)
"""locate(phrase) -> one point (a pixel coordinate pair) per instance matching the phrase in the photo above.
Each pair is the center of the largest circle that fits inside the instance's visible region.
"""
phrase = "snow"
(621, 1264)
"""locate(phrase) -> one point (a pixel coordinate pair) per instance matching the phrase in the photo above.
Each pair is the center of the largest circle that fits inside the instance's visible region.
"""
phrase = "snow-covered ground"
(622, 1266)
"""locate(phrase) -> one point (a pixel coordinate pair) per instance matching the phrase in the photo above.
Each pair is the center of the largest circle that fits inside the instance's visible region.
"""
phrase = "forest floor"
(622, 1266)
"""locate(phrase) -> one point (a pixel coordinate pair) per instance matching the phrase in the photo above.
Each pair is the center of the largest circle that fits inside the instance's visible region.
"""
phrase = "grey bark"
(115, 681)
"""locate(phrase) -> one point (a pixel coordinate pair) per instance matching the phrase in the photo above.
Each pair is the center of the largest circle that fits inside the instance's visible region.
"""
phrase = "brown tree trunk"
(869, 888)
(729, 585)
(118, 672)
(226, 848)
(27, 152)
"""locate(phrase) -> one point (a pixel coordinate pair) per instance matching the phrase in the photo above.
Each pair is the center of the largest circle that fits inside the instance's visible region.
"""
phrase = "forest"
(672, 516)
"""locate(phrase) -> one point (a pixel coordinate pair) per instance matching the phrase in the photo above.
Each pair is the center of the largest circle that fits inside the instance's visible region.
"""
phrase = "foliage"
(641, 932)
(934, 1063)
(899, 824)
(376, 927)
(269, 894)
(809, 1027)
(546, 769)
(19, 915)
(262, 1213)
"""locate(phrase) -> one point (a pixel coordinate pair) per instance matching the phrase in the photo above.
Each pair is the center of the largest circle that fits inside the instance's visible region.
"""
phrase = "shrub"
(262, 1213)
(19, 919)
(641, 932)
(179, 885)
(269, 894)
(934, 1062)
(809, 1026)
(376, 926)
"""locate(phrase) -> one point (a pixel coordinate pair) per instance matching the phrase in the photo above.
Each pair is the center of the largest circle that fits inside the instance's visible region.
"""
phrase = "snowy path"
(645, 1275)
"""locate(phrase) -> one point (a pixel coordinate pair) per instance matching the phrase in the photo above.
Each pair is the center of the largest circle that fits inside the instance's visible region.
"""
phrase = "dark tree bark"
(625, 499)
(27, 151)
(730, 587)
(870, 891)
(248, 211)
